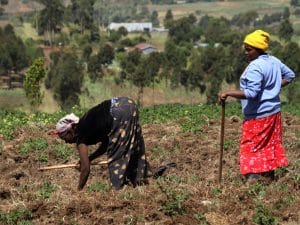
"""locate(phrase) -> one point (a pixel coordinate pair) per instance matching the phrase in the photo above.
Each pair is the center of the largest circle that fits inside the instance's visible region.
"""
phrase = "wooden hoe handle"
(61, 166)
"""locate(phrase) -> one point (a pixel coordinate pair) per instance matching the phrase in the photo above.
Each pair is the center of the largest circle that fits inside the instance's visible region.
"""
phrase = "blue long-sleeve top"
(261, 84)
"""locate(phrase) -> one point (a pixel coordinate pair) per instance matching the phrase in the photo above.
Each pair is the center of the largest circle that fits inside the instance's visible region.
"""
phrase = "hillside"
(188, 194)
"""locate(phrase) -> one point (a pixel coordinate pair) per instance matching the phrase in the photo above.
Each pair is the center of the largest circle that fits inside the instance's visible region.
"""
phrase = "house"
(145, 48)
(131, 27)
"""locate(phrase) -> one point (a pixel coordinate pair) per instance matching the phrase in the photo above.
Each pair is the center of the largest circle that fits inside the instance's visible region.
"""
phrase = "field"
(222, 8)
(188, 135)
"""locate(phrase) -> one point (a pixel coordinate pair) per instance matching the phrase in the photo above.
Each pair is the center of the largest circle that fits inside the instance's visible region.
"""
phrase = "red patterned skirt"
(261, 147)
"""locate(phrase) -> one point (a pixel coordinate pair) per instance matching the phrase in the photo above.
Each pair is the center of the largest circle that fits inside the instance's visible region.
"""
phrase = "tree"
(168, 19)
(175, 59)
(96, 62)
(140, 69)
(294, 2)
(13, 54)
(51, 18)
(286, 30)
(66, 78)
(145, 73)
(154, 18)
(2, 2)
(183, 30)
(83, 13)
(32, 82)
(286, 13)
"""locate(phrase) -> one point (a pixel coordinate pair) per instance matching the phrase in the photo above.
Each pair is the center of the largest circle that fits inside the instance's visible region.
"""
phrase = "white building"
(131, 27)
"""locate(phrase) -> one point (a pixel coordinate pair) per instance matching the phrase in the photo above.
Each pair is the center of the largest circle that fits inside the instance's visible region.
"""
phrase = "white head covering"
(65, 123)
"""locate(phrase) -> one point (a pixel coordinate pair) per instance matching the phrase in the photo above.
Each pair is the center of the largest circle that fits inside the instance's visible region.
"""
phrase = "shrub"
(263, 216)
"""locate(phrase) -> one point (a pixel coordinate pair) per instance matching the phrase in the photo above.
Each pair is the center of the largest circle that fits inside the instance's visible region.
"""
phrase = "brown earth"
(194, 181)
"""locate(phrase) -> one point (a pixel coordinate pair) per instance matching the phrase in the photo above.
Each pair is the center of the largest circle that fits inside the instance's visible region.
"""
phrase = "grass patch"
(38, 144)
(46, 190)
(19, 216)
(99, 187)
(62, 151)
(175, 201)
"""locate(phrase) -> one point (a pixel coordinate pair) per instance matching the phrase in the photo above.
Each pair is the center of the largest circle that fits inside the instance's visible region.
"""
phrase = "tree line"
(199, 53)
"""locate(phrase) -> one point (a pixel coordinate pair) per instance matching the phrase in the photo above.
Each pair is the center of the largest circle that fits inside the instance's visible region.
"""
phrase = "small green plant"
(216, 192)
(62, 151)
(127, 195)
(33, 144)
(296, 178)
(98, 187)
(228, 144)
(281, 171)
(175, 201)
(19, 216)
(257, 189)
(263, 216)
(159, 152)
(42, 158)
(46, 190)
(284, 202)
(173, 179)
(130, 220)
(201, 219)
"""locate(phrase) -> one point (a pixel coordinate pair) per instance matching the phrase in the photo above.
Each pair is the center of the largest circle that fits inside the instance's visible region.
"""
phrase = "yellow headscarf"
(258, 39)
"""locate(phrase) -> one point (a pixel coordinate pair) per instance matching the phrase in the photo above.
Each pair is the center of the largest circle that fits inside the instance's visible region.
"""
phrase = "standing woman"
(261, 150)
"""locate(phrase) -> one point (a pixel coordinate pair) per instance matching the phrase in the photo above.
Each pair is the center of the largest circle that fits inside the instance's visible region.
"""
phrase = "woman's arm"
(84, 165)
(232, 93)
(100, 151)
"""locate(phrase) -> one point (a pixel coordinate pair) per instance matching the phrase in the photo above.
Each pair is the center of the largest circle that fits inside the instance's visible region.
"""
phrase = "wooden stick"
(69, 165)
(221, 141)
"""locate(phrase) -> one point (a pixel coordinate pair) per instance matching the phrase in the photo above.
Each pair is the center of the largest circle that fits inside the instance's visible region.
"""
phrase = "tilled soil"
(188, 194)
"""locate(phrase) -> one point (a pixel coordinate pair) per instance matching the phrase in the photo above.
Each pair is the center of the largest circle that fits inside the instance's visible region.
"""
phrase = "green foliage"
(201, 219)
(192, 117)
(127, 195)
(172, 179)
(216, 192)
(38, 144)
(65, 78)
(228, 144)
(12, 51)
(46, 190)
(293, 93)
(283, 202)
(286, 30)
(281, 171)
(99, 187)
(19, 216)
(32, 82)
(263, 216)
(50, 19)
(10, 119)
(175, 201)
(62, 151)
(82, 13)
(257, 189)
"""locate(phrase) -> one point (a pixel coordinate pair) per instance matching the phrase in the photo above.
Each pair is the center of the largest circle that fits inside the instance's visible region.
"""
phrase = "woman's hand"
(222, 97)
(78, 166)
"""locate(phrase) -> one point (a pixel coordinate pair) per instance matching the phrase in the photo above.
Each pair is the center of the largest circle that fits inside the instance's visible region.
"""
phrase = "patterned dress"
(115, 123)
(261, 147)
(126, 148)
